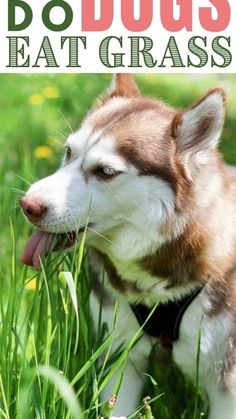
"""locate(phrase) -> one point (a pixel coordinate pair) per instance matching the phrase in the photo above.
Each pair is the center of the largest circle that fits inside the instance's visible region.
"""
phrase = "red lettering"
(146, 15)
(185, 15)
(223, 19)
(89, 23)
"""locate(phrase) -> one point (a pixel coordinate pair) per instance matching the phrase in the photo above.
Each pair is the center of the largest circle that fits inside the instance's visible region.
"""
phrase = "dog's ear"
(198, 129)
(123, 85)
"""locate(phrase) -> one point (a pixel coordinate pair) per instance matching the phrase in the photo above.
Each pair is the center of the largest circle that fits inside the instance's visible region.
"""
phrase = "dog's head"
(129, 169)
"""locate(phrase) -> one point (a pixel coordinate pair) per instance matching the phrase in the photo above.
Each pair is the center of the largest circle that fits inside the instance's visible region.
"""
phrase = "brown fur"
(180, 260)
(125, 86)
(119, 284)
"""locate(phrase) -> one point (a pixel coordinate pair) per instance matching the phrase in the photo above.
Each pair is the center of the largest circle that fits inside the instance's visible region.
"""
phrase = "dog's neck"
(167, 271)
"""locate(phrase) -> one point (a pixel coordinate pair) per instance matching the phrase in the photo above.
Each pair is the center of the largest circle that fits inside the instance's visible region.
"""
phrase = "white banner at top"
(98, 36)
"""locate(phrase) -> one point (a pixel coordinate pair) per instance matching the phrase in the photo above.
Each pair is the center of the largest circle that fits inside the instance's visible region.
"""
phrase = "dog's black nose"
(34, 208)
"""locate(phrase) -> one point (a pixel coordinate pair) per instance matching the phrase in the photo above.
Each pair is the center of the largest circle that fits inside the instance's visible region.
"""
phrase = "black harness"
(165, 321)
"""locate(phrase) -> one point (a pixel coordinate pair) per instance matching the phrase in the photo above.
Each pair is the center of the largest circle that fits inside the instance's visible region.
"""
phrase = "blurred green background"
(37, 113)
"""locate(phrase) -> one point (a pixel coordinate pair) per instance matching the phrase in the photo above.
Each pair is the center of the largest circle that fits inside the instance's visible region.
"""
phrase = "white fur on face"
(124, 209)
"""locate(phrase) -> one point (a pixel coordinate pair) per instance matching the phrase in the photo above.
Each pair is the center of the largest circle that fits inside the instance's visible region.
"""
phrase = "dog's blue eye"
(106, 172)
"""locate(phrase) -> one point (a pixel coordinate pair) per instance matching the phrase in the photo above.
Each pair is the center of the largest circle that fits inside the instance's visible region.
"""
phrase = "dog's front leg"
(137, 361)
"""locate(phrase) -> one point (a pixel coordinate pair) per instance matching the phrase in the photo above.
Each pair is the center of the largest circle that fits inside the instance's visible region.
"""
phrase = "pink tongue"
(38, 245)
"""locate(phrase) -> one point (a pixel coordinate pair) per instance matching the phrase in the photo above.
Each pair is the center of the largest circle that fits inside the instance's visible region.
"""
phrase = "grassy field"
(46, 337)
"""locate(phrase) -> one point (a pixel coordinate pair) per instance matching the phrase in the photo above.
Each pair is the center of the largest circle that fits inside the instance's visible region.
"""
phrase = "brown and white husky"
(162, 222)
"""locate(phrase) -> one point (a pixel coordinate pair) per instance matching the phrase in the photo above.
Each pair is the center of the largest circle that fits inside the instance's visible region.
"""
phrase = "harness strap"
(165, 321)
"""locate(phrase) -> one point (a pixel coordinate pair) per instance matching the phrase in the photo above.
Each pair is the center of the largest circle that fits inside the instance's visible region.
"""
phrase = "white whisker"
(19, 191)
(62, 133)
(67, 122)
(24, 180)
(54, 140)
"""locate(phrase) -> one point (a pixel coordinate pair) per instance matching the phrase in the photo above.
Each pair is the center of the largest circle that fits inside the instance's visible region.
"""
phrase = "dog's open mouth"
(41, 244)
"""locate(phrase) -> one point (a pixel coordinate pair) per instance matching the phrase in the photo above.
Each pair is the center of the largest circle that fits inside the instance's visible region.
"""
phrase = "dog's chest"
(203, 342)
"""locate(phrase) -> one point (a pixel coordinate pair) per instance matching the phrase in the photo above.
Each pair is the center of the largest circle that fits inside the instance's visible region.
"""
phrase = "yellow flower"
(43, 152)
(31, 284)
(51, 92)
(36, 99)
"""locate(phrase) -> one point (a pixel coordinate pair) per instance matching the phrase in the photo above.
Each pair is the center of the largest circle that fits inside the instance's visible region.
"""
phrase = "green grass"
(46, 336)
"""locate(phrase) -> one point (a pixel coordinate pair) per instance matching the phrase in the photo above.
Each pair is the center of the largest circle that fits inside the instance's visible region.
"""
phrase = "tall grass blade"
(68, 278)
(64, 388)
